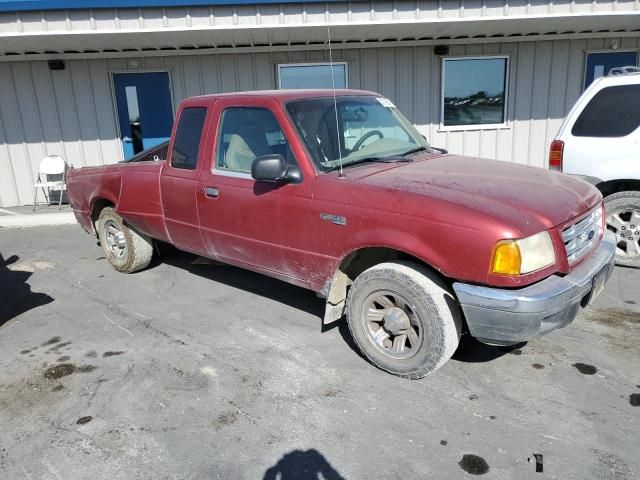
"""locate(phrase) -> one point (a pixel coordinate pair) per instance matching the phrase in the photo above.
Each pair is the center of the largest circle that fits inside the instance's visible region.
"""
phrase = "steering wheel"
(364, 138)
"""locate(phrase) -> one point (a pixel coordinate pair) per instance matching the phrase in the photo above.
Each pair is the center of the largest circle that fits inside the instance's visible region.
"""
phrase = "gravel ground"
(203, 371)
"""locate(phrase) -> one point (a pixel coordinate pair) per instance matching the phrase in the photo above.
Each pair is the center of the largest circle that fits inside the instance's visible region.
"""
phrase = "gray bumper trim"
(498, 315)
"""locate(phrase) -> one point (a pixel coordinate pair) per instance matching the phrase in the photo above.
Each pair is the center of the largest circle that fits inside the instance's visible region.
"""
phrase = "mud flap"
(333, 313)
(337, 298)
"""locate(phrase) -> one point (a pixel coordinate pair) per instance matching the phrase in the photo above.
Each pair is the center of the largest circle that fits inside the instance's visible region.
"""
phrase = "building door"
(599, 64)
(145, 112)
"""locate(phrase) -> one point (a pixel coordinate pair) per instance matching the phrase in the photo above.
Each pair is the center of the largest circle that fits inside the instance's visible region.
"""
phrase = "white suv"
(599, 141)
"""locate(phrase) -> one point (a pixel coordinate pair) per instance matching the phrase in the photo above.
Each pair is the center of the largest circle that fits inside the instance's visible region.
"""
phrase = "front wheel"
(126, 249)
(623, 219)
(403, 319)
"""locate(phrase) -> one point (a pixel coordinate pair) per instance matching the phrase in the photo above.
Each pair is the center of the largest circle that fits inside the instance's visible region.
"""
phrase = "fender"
(352, 264)
(617, 169)
(107, 189)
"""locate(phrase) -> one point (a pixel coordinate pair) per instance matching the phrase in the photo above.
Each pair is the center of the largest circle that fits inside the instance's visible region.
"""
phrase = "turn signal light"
(506, 258)
(555, 155)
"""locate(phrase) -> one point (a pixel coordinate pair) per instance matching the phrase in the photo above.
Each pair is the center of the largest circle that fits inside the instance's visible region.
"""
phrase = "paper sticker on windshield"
(385, 102)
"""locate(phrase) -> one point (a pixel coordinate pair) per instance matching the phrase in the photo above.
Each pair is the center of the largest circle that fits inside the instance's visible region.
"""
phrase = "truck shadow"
(252, 282)
(469, 351)
(16, 296)
(258, 284)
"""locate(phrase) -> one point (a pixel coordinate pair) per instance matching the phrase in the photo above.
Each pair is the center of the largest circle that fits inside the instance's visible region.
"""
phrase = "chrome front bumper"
(501, 316)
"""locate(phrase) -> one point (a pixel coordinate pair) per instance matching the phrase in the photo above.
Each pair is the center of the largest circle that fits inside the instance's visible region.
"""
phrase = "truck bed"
(135, 194)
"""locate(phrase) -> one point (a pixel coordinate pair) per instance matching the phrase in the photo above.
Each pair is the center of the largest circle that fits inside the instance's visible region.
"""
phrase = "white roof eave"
(235, 36)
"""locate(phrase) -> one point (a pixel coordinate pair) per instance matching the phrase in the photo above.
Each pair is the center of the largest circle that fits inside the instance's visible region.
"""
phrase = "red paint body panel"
(453, 209)
(140, 201)
(449, 211)
(257, 223)
(88, 185)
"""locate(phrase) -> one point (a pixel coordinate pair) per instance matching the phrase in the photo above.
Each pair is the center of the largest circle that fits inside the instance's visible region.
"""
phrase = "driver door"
(258, 225)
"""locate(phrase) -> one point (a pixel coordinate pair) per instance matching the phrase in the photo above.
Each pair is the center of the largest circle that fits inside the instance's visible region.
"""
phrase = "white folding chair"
(50, 166)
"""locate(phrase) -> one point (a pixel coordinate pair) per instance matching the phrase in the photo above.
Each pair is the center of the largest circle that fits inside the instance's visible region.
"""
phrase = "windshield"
(368, 128)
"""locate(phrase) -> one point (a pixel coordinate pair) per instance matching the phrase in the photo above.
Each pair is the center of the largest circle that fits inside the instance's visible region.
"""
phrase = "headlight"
(515, 257)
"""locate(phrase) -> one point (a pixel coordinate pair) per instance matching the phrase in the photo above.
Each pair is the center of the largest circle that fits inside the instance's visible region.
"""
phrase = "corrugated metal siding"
(71, 112)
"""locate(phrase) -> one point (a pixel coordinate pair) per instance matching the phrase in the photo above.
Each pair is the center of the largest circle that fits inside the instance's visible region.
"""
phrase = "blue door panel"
(145, 111)
(599, 64)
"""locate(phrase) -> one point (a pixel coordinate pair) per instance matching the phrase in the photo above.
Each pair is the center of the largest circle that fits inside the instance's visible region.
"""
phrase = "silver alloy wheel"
(625, 224)
(392, 325)
(116, 242)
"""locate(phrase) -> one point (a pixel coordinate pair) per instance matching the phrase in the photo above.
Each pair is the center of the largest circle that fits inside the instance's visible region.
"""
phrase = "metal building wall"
(71, 112)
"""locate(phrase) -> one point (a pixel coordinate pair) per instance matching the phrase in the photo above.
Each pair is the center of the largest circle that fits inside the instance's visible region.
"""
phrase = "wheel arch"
(622, 208)
(97, 205)
(353, 264)
(609, 187)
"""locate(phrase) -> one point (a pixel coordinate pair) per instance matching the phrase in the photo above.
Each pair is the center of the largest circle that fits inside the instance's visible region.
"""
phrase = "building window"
(474, 91)
(312, 75)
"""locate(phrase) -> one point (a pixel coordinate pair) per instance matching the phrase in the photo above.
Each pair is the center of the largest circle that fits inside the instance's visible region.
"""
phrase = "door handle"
(210, 191)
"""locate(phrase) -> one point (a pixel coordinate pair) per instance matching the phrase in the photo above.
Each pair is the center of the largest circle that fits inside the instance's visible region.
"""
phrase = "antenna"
(335, 102)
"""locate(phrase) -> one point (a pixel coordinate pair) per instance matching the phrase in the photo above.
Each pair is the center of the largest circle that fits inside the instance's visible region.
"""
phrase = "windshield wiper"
(389, 159)
(415, 150)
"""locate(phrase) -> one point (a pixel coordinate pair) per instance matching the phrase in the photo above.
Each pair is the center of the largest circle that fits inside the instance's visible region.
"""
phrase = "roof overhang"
(43, 5)
(223, 38)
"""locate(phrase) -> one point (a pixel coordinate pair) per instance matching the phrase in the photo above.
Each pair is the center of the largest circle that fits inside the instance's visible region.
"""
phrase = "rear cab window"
(186, 144)
(612, 112)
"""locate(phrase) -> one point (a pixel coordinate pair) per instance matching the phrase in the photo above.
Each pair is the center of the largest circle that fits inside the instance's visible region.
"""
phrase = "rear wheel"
(126, 249)
(623, 219)
(403, 318)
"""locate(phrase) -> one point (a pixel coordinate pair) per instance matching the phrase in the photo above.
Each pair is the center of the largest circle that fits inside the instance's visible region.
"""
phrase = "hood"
(527, 198)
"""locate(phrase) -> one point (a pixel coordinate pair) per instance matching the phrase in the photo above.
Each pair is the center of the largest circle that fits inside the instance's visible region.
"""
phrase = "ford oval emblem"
(585, 237)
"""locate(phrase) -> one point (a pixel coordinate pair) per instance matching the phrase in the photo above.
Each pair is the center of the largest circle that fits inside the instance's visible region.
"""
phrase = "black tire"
(433, 313)
(136, 248)
(624, 204)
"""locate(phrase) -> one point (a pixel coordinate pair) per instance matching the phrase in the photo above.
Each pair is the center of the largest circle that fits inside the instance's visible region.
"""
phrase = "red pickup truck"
(342, 195)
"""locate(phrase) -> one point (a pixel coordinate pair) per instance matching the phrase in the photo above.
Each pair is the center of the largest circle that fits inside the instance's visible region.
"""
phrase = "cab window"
(186, 145)
(247, 133)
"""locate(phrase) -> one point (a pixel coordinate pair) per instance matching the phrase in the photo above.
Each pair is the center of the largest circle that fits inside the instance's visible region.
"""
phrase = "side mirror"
(274, 168)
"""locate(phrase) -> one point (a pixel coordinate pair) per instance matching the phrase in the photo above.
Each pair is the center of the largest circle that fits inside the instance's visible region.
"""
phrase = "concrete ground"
(39, 210)
(200, 371)
(43, 215)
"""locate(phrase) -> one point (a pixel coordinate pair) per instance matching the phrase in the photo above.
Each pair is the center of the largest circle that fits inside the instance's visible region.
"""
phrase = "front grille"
(580, 237)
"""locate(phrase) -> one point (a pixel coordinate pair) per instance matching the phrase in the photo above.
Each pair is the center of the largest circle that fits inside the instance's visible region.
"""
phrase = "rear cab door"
(178, 179)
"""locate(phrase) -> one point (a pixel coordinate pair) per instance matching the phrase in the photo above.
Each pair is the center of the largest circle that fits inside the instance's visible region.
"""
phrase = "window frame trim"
(280, 66)
(476, 126)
